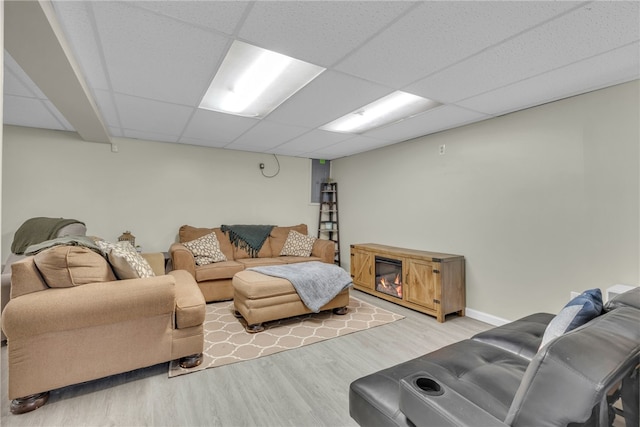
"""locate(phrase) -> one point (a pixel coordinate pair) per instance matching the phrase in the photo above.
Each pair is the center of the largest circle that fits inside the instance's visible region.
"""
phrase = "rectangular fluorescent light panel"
(390, 109)
(253, 81)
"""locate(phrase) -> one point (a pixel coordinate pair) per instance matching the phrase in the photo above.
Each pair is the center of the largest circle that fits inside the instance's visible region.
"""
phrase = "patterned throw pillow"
(297, 244)
(206, 249)
(126, 262)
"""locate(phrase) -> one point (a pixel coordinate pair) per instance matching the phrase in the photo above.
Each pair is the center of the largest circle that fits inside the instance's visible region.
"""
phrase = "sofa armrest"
(182, 258)
(62, 309)
(425, 402)
(190, 303)
(156, 262)
(25, 278)
(325, 250)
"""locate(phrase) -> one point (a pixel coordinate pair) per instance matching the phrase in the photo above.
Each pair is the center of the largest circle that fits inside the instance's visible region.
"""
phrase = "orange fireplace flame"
(395, 287)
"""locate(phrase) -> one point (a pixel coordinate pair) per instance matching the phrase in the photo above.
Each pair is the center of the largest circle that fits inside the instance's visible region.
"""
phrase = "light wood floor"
(303, 387)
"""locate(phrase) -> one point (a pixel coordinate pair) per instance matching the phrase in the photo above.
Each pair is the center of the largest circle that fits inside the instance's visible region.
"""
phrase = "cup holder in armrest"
(428, 386)
(427, 402)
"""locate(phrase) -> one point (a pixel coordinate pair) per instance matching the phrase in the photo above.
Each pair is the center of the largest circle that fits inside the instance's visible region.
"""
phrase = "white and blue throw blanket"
(316, 282)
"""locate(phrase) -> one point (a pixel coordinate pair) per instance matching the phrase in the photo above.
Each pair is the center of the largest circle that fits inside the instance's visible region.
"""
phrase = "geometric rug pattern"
(226, 340)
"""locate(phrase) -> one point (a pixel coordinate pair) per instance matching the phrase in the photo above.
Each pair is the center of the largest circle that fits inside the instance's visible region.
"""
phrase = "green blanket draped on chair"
(248, 237)
(37, 230)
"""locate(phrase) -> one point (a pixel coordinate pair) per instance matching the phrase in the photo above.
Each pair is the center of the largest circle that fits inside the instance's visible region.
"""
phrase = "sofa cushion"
(576, 313)
(188, 233)
(218, 270)
(67, 266)
(261, 262)
(521, 337)
(631, 298)
(279, 235)
(296, 259)
(254, 285)
(125, 260)
(206, 249)
(297, 244)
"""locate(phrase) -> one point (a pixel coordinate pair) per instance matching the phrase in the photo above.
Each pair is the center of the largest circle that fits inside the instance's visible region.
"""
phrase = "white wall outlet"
(114, 148)
(442, 149)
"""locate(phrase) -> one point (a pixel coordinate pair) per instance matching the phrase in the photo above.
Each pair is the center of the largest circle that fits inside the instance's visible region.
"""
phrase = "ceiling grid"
(148, 64)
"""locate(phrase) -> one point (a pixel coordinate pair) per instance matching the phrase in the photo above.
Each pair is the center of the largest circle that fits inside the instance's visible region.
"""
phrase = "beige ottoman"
(260, 298)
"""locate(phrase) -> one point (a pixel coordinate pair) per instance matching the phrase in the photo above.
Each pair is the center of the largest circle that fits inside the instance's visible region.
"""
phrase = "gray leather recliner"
(499, 378)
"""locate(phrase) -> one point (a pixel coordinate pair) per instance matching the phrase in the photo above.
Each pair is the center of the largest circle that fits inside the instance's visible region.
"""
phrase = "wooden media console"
(430, 282)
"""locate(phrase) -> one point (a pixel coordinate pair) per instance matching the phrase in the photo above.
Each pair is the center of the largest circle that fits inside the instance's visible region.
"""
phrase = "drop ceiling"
(146, 65)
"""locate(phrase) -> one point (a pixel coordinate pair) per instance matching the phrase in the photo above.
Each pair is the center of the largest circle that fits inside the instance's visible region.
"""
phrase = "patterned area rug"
(227, 342)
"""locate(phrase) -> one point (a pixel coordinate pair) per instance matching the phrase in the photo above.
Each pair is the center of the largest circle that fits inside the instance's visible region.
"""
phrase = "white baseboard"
(485, 317)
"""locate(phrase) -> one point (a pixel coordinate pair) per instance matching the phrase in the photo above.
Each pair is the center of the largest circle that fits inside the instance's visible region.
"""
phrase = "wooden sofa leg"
(340, 310)
(255, 328)
(29, 403)
(191, 361)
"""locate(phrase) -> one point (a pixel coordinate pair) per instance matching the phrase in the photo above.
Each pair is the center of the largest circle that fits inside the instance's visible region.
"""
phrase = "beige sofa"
(61, 333)
(214, 279)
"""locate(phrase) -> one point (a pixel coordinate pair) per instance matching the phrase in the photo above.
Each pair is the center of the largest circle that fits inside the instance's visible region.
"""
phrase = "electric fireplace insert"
(389, 276)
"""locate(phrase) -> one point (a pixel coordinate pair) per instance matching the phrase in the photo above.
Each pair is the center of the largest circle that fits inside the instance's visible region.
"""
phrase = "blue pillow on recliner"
(577, 312)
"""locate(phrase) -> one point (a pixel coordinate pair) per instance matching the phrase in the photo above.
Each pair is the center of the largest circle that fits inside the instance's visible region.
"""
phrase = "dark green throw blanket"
(37, 230)
(248, 237)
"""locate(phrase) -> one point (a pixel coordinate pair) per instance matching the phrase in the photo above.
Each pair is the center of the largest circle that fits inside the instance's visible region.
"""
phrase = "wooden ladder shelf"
(328, 228)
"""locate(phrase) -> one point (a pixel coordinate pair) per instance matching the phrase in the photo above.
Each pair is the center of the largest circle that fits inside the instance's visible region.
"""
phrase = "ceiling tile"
(19, 83)
(107, 108)
(218, 128)
(155, 57)
(29, 112)
(149, 62)
(76, 20)
(587, 75)
(14, 86)
(441, 118)
(601, 26)
(221, 16)
(326, 98)
(266, 135)
(320, 32)
(148, 136)
(145, 115)
(438, 34)
(202, 142)
(115, 132)
(309, 142)
(355, 145)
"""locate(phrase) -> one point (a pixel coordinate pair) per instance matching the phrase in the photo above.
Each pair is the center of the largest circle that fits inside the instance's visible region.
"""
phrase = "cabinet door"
(362, 268)
(423, 283)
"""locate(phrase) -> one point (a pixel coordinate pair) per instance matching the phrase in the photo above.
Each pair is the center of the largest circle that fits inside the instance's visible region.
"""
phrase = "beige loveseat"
(214, 279)
(70, 320)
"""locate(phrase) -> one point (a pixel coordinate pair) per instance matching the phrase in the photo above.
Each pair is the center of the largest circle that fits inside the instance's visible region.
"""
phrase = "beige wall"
(540, 202)
(149, 188)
